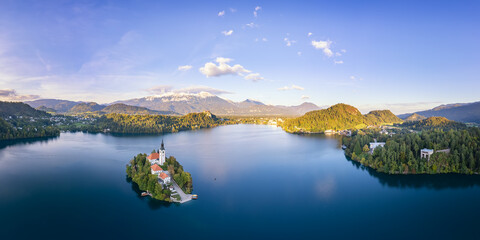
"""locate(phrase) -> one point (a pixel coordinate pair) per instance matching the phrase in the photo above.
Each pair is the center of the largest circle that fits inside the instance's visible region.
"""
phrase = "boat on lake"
(194, 196)
(146, 194)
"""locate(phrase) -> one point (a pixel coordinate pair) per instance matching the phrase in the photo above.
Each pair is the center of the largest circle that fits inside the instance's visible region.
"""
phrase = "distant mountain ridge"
(338, 117)
(184, 103)
(176, 104)
(60, 106)
(460, 112)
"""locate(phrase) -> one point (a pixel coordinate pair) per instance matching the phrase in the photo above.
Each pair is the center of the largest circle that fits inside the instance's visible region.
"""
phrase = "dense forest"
(434, 123)
(123, 123)
(401, 153)
(338, 117)
(139, 172)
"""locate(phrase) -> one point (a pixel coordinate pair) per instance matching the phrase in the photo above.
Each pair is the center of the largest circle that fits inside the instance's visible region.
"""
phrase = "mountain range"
(175, 104)
(460, 112)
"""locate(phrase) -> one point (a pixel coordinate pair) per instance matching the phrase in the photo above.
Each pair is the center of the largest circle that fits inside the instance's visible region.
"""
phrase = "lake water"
(269, 184)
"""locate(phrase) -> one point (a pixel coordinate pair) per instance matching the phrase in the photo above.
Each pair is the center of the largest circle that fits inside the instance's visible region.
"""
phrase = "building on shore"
(426, 153)
(164, 177)
(156, 169)
(375, 144)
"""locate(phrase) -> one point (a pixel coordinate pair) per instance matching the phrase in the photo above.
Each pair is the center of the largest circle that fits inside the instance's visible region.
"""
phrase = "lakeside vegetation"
(138, 170)
(19, 121)
(401, 152)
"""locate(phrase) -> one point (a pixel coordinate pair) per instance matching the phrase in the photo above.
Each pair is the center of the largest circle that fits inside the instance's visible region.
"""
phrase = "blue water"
(269, 185)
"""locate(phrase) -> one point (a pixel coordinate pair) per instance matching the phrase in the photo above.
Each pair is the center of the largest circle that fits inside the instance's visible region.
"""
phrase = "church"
(157, 157)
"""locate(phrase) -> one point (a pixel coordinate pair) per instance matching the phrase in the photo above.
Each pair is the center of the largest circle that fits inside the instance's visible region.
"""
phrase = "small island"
(160, 177)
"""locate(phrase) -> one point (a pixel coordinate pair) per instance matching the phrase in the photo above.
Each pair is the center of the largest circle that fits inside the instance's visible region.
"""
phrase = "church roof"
(153, 156)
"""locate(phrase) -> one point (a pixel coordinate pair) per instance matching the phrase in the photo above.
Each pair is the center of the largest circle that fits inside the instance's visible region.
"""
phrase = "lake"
(253, 182)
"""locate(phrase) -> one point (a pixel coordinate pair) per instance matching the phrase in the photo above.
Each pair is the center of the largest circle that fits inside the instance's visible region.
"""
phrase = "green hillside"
(414, 117)
(19, 120)
(121, 108)
(338, 117)
(19, 109)
(434, 123)
(85, 107)
(380, 117)
(46, 109)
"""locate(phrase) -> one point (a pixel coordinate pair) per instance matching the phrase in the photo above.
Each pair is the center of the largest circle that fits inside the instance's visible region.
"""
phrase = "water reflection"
(429, 181)
(26, 141)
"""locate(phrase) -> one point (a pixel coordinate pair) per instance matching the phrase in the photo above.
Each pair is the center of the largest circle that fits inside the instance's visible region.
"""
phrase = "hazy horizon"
(404, 56)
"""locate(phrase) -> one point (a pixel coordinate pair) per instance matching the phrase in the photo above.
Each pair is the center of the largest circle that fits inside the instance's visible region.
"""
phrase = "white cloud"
(299, 53)
(199, 89)
(323, 45)
(164, 89)
(184, 67)
(353, 77)
(338, 62)
(223, 60)
(343, 51)
(310, 34)
(222, 13)
(227, 33)
(11, 95)
(264, 39)
(305, 97)
(293, 87)
(233, 10)
(289, 42)
(257, 8)
(254, 77)
(297, 87)
(212, 70)
(251, 25)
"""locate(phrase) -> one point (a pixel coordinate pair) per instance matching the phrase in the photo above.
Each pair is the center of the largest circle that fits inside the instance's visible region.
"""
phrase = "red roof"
(163, 175)
(153, 156)
(155, 168)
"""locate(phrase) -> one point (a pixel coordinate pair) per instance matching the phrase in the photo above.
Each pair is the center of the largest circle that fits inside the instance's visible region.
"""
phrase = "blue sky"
(400, 55)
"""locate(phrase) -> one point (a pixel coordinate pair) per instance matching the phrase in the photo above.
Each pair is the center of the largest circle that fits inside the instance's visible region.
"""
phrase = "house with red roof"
(156, 169)
(165, 178)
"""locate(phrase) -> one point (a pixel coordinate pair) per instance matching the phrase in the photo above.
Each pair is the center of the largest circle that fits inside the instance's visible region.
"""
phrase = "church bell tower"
(161, 153)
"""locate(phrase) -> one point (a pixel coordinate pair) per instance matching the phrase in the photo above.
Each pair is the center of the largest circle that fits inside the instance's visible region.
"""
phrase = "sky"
(399, 55)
